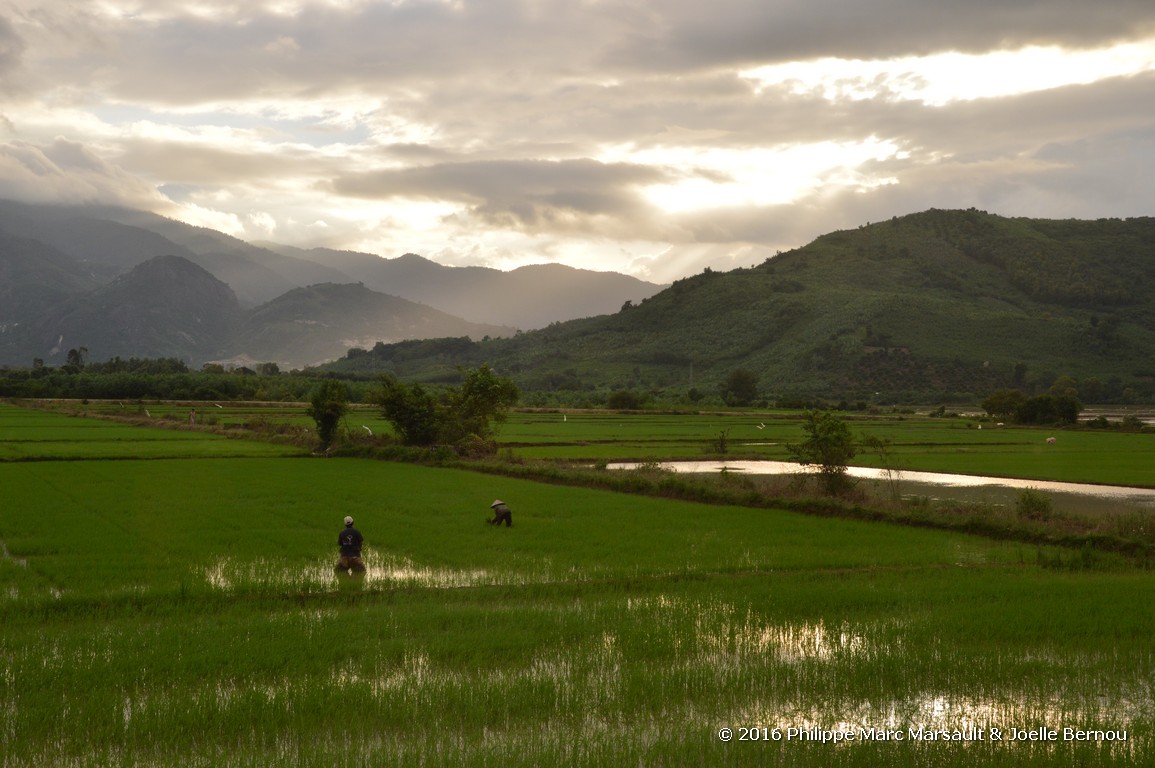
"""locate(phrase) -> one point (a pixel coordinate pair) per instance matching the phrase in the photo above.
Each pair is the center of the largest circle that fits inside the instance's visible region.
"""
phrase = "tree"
(829, 446)
(410, 409)
(624, 400)
(479, 404)
(76, 360)
(740, 388)
(1003, 403)
(328, 404)
(883, 447)
(452, 416)
(1049, 409)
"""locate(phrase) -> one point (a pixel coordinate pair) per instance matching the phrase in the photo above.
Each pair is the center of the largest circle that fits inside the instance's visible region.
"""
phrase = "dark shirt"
(349, 540)
(501, 513)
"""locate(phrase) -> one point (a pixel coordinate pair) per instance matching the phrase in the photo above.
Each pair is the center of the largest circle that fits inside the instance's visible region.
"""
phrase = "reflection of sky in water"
(1144, 496)
(718, 640)
(727, 640)
(228, 574)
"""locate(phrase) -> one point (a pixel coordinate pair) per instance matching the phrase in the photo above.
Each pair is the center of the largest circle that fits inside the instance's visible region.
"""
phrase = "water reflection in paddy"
(229, 574)
(1116, 493)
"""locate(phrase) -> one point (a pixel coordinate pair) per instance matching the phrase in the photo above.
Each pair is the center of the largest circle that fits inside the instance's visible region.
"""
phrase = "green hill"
(931, 305)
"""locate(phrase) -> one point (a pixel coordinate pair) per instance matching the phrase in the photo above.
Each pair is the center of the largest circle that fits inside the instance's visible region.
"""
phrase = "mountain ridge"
(51, 256)
(930, 304)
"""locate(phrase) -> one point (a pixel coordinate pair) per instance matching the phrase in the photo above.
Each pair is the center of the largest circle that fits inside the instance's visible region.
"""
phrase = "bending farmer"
(349, 540)
(501, 512)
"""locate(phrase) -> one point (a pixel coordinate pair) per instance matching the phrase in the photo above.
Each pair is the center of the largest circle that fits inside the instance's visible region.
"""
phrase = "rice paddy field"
(167, 598)
(965, 446)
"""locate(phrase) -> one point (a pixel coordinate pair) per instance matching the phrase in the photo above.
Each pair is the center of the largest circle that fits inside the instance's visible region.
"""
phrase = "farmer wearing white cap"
(501, 512)
(349, 540)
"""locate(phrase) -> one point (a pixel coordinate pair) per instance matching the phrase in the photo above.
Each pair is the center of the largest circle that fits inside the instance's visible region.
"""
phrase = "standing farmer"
(350, 540)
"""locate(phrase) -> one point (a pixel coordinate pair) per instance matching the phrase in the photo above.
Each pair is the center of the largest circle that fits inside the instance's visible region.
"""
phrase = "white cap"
(348, 520)
(496, 502)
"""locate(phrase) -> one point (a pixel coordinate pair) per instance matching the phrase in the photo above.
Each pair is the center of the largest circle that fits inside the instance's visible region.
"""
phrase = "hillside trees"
(462, 416)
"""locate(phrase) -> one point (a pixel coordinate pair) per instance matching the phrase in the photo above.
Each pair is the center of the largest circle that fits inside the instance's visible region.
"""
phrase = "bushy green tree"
(478, 405)
(1003, 403)
(829, 446)
(450, 416)
(740, 388)
(624, 400)
(328, 404)
(410, 408)
(1049, 409)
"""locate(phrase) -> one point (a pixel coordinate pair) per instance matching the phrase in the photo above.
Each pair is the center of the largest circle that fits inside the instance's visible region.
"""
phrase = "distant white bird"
(367, 430)
(761, 426)
(218, 405)
(563, 418)
(146, 413)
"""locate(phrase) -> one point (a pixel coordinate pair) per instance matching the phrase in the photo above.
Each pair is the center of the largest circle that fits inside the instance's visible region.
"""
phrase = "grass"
(182, 611)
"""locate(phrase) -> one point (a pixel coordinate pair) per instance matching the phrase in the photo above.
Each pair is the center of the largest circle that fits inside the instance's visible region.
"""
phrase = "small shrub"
(1132, 423)
(1033, 504)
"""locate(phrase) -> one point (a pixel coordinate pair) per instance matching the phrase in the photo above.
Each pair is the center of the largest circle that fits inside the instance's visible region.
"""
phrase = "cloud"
(11, 54)
(517, 194)
(734, 32)
(651, 135)
(68, 172)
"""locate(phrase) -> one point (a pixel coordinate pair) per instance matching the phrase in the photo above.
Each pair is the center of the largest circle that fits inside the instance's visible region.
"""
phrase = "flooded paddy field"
(183, 610)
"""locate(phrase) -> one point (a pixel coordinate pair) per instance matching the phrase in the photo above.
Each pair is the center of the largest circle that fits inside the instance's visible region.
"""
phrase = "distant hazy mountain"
(72, 276)
(102, 247)
(107, 241)
(935, 304)
(165, 307)
(33, 277)
(311, 325)
(527, 297)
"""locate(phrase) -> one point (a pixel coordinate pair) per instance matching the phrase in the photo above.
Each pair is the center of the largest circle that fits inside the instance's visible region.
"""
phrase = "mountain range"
(123, 282)
(930, 305)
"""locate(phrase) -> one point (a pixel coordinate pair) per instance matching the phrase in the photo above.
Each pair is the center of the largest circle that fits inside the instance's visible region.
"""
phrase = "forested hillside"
(931, 305)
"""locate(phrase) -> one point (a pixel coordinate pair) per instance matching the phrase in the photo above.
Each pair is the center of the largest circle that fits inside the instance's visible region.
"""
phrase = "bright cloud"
(941, 78)
(759, 176)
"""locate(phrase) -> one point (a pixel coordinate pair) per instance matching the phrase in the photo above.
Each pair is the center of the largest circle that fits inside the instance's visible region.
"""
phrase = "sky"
(650, 137)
